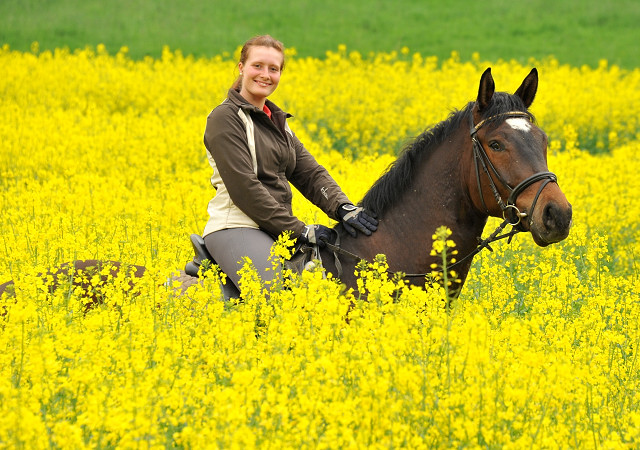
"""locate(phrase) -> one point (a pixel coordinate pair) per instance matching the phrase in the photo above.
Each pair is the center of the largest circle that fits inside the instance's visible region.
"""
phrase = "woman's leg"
(229, 246)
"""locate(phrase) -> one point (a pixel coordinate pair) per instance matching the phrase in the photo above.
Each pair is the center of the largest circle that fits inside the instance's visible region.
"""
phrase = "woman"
(254, 155)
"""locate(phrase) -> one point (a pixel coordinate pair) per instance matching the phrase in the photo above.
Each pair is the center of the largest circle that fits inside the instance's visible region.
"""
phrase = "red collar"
(267, 111)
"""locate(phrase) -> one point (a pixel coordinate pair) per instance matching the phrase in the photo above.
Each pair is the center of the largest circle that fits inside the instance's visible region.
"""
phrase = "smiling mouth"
(262, 83)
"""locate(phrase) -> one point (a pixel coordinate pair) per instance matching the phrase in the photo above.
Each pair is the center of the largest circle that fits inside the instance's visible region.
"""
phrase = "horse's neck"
(438, 197)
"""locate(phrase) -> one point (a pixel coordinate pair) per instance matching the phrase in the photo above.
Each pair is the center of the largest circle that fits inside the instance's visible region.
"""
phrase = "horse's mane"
(399, 176)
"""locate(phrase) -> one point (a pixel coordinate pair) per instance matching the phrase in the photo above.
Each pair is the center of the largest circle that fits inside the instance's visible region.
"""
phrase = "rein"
(510, 212)
(337, 250)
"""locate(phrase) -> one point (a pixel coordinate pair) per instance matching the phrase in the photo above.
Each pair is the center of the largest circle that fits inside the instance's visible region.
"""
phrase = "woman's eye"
(495, 146)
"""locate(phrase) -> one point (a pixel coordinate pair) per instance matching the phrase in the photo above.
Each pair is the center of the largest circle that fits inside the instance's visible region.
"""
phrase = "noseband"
(510, 211)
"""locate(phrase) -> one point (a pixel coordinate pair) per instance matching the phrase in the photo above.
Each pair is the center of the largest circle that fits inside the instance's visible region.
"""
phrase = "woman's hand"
(316, 234)
(356, 218)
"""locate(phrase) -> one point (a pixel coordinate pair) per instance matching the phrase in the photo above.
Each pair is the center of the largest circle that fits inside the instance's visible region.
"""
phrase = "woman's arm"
(315, 182)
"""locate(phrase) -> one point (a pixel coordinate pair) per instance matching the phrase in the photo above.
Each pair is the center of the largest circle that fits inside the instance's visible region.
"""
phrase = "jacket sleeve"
(315, 182)
(226, 140)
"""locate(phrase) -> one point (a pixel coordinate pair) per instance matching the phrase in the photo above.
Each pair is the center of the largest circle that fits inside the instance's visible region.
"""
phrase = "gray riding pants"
(229, 246)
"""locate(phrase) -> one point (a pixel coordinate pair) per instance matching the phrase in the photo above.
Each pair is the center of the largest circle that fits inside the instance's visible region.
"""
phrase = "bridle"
(510, 212)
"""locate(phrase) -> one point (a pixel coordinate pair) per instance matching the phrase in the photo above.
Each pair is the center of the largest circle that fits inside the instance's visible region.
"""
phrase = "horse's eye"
(495, 146)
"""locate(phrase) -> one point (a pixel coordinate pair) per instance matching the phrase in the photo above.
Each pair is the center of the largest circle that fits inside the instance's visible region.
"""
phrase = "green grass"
(574, 31)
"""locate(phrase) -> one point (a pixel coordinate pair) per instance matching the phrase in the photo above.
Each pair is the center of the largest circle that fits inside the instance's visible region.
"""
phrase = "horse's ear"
(487, 88)
(528, 88)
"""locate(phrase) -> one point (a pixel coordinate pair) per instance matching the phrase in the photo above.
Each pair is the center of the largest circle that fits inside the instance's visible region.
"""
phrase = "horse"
(488, 159)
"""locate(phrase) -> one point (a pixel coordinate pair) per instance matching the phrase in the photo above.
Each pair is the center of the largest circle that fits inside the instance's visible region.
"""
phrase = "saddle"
(302, 259)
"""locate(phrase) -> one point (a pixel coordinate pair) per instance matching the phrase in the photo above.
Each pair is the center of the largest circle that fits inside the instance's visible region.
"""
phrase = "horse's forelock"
(501, 103)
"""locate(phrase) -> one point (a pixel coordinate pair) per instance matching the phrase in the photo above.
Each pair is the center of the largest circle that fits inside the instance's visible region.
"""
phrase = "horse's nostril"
(555, 218)
(550, 217)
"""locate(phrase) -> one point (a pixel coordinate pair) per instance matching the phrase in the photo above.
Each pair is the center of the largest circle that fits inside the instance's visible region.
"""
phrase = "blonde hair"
(264, 40)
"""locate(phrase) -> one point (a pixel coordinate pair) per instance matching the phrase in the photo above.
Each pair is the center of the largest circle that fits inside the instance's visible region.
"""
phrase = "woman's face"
(260, 74)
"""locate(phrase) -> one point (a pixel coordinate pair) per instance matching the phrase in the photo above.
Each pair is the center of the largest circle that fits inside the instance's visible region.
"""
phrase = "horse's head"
(510, 163)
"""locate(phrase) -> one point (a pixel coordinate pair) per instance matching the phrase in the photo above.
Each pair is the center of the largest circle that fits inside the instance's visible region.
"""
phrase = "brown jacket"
(252, 184)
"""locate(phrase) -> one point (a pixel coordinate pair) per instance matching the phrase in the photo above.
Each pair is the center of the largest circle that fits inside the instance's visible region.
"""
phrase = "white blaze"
(519, 123)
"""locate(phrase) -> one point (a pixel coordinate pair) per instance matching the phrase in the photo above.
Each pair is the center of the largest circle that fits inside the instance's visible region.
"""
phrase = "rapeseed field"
(102, 158)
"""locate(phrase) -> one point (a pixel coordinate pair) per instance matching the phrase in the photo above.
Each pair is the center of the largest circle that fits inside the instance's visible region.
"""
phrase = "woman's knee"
(230, 247)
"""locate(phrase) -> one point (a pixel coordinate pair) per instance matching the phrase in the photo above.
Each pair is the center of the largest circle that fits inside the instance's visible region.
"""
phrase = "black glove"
(315, 234)
(356, 218)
